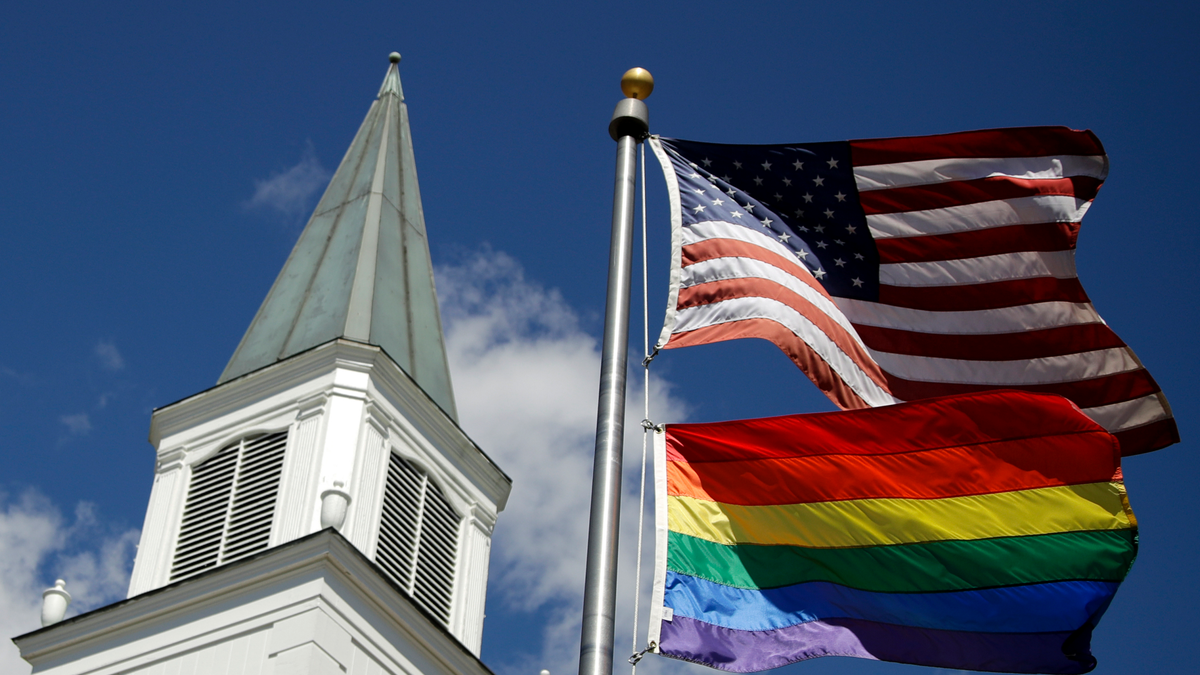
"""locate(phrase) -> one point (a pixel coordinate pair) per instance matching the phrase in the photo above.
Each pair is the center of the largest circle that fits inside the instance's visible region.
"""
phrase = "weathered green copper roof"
(361, 268)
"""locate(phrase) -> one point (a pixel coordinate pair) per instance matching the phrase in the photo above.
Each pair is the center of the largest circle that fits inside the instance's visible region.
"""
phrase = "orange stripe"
(986, 468)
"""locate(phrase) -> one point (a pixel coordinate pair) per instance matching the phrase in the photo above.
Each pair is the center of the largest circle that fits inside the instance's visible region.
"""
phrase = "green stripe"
(912, 568)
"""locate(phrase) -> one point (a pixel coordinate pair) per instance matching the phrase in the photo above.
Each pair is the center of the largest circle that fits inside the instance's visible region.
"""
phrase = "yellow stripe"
(874, 522)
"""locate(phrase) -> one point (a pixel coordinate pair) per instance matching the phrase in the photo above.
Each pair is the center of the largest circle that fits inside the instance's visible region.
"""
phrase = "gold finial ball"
(394, 57)
(637, 83)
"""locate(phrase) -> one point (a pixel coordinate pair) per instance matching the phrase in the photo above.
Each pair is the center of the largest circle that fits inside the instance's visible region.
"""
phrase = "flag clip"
(651, 426)
(633, 660)
(649, 357)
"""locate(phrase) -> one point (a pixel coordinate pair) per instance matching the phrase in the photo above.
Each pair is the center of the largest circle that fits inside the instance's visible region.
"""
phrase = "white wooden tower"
(319, 510)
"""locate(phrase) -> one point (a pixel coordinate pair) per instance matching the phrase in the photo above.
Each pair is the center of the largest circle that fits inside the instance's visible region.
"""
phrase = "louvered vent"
(230, 503)
(418, 537)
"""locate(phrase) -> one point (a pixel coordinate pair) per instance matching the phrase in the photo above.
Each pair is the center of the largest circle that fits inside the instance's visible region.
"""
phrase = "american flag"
(904, 268)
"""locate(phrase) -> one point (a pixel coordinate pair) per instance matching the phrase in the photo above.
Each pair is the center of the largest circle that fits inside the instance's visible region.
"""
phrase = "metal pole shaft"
(600, 585)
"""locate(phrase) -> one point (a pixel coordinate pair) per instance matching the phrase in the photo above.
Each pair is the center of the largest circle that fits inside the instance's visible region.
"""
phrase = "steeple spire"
(361, 268)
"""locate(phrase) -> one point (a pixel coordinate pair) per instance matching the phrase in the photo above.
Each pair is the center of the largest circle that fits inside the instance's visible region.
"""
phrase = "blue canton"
(804, 196)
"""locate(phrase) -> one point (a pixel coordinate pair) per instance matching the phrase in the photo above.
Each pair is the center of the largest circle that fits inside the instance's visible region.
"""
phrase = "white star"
(749, 207)
(787, 182)
(725, 178)
(737, 165)
(802, 254)
(757, 180)
(784, 237)
(799, 213)
(819, 273)
(798, 164)
(698, 191)
(828, 213)
(698, 208)
(839, 242)
(819, 228)
(694, 175)
(857, 282)
(802, 228)
(707, 161)
(736, 214)
(851, 229)
(731, 191)
(821, 244)
(840, 197)
(819, 181)
(859, 256)
(807, 197)
(718, 202)
(778, 197)
(767, 222)
(832, 163)
(839, 262)
(766, 166)
(693, 165)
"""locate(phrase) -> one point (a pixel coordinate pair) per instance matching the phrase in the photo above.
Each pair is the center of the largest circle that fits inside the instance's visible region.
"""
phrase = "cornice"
(325, 554)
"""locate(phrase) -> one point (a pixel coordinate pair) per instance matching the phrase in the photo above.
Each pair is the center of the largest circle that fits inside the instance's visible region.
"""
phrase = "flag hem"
(659, 589)
(676, 274)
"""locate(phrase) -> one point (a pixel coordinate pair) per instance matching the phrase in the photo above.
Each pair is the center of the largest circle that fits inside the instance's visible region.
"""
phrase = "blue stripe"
(1032, 608)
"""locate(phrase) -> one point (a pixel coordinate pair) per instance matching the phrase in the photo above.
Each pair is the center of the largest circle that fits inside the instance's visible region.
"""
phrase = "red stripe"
(959, 192)
(987, 467)
(1084, 393)
(1018, 142)
(946, 422)
(978, 243)
(813, 366)
(749, 287)
(992, 295)
(997, 347)
(1146, 438)
(711, 249)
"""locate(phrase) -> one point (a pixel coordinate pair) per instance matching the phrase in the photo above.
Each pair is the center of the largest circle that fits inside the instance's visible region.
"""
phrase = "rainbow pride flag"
(981, 532)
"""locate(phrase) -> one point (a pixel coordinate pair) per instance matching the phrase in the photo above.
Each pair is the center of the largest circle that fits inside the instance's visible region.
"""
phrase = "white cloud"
(290, 192)
(109, 357)
(78, 424)
(526, 379)
(37, 546)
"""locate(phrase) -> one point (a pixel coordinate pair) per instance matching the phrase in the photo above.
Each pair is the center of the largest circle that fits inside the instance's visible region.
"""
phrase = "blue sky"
(157, 161)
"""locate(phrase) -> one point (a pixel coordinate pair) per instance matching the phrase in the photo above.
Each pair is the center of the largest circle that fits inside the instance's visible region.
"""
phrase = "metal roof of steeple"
(361, 269)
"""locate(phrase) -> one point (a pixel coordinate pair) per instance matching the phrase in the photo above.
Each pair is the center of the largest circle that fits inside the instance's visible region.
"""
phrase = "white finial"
(55, 602)
(334, 503)
(544, 672)
(394, 57)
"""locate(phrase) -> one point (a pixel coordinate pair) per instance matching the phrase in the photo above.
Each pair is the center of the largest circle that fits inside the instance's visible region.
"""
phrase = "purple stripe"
(749, 651)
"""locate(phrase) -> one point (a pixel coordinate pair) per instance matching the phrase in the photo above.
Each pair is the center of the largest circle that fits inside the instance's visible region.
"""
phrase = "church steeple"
(336, 411)
(361, 268)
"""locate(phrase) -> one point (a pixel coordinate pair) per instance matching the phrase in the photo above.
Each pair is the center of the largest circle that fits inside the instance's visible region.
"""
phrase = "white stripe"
(722, 269)
(1003, 267)
(720, 229)
(1046, 370)
(740, 309)
(980, 322)
(930, 171)
(1128, 414)
(981, 216)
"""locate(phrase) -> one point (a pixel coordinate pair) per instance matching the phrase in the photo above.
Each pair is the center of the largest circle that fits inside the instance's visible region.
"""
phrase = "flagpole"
(630, 124)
